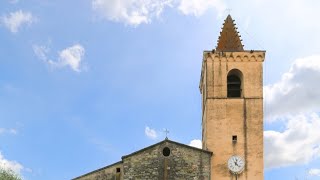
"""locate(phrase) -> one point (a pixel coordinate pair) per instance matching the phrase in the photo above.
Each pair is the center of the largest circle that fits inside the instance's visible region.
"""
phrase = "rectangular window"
(234, 138)
(118, 170)
(118, 174)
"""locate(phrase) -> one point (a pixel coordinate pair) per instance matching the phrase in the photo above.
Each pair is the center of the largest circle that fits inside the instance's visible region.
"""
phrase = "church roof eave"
(161, 142)
(105, 167)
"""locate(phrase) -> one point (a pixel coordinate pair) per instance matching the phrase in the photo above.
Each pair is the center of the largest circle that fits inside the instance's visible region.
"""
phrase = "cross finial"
(228, 10)
(166, 131)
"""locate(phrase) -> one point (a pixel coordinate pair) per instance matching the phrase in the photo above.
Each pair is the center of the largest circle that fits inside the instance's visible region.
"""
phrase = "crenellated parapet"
(243, 56)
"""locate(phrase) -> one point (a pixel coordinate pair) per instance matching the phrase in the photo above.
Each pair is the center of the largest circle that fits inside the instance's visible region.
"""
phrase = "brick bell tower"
(231, 85)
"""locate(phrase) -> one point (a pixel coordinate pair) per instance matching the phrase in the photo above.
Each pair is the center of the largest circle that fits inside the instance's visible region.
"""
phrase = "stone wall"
(183, 163)
(105, 173)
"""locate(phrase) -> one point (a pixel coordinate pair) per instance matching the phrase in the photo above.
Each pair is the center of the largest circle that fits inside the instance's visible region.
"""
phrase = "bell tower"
(231, 86)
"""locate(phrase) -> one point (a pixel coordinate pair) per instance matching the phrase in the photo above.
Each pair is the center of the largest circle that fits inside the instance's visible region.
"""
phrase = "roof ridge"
(165, 140)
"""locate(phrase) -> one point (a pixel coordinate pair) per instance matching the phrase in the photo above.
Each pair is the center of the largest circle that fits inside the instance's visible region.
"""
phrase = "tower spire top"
(229, 39)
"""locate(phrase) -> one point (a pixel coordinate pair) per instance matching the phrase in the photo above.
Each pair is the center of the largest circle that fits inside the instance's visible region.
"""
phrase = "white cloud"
(15, 20)
(299, 143)
(295, 100)
(298, 91)
(71, 56)
(8, 131)
(196, 143)
(150, 133)
(41, 52)
(199, 7)
(314, 172)
(10, 165)
(135, 12)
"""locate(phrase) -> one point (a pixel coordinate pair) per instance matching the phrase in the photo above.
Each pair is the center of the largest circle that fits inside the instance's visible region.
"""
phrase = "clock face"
(236, 164)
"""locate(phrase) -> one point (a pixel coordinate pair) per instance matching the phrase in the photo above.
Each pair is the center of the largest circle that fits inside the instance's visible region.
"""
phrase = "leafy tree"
(9, 175)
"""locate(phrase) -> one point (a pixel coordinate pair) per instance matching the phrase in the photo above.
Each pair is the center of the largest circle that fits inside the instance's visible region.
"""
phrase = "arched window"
(234, 83)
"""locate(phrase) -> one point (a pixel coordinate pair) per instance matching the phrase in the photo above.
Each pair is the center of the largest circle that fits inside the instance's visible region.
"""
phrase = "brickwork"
(224, 117)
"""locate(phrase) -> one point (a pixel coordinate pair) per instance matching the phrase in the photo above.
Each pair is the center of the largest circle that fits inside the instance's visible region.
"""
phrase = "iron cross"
(167, 132)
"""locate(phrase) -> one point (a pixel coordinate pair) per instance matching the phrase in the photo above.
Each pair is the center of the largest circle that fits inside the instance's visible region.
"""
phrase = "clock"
(236, 164)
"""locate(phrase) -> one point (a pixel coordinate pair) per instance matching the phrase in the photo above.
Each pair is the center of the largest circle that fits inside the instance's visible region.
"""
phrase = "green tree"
(9, 175)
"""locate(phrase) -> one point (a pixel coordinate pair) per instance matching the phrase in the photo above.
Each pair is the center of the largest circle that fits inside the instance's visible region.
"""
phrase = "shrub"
(8, 175)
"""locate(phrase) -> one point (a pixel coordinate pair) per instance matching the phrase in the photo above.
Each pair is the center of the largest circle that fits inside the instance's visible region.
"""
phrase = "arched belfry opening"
(234, 83)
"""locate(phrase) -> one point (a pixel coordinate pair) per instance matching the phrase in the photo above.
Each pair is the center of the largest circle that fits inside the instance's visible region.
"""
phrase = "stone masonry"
(180, 162)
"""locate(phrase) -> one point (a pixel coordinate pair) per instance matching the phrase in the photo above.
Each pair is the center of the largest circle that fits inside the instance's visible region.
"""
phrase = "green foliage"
(8, 175)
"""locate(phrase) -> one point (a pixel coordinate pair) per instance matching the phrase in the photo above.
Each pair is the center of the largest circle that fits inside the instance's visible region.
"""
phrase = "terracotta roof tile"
(229, 39)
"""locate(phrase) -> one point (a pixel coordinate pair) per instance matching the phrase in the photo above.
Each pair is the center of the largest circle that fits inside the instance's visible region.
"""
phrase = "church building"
(231, 86)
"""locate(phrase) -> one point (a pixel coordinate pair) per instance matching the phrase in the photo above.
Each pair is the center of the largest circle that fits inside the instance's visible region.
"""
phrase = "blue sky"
(85, 82)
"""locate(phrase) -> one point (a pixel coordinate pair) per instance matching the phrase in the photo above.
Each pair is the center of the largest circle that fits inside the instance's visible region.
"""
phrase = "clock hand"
(236, 164)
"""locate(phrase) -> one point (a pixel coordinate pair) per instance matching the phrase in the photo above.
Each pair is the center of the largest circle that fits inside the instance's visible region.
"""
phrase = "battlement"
(243, 56)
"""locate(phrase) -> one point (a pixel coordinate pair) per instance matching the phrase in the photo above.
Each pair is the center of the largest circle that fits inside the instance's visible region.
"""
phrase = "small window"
(166, 151)
(234, 138)
(118, 174)
(118, 170)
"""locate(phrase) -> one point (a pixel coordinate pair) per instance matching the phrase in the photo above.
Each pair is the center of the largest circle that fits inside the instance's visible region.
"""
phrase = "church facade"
(232, 124)
(164, 160)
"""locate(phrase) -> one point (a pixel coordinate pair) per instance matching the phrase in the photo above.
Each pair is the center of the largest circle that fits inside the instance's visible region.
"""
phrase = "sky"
(85, 82)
